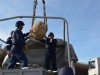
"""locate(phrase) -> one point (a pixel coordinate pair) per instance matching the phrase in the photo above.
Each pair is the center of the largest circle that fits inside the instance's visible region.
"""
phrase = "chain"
(44, 12)
(34, 10)
(43, 1)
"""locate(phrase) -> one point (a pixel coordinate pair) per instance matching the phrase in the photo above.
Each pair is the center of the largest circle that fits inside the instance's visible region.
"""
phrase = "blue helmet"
(51, 34)
(66, 71)
(19, 23)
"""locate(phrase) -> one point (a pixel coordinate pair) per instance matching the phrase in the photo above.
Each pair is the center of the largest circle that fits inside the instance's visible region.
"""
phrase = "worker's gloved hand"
(30, 31)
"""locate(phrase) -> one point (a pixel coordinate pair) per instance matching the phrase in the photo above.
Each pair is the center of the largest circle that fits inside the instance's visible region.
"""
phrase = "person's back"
(66, 71)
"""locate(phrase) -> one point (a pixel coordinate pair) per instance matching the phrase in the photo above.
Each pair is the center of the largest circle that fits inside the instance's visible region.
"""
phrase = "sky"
(83, 18)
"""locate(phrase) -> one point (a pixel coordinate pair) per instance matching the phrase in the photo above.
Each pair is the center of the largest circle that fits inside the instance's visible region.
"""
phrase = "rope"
(44, 13)
(34, 11)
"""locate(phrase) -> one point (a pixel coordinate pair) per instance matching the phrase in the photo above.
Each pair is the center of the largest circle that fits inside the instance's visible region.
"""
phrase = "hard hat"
(19, 23)
(51, 34)
(66, 71)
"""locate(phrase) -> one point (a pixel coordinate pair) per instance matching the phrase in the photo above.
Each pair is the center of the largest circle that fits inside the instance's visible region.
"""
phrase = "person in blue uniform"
(66, 71)
(7, 49)
(9, 43)
(50, 52)
(18, 41)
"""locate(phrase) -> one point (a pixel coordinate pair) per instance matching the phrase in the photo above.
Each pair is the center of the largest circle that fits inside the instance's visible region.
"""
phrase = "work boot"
(55, 72)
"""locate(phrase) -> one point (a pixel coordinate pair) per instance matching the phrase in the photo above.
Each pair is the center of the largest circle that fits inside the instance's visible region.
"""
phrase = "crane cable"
(44, 13)
(34, 11)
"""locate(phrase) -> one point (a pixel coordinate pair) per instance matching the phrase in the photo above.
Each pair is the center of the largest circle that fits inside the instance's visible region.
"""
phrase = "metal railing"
(50, 17)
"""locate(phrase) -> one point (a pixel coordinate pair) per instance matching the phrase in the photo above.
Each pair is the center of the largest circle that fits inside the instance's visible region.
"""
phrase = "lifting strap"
(44, 12)
(34, 11)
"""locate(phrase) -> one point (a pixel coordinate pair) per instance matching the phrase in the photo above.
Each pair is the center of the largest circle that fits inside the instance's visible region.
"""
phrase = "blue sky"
(83, 18)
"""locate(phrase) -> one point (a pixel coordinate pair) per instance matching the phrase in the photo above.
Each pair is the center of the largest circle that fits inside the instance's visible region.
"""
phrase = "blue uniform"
(50, 55)
(18, 41)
